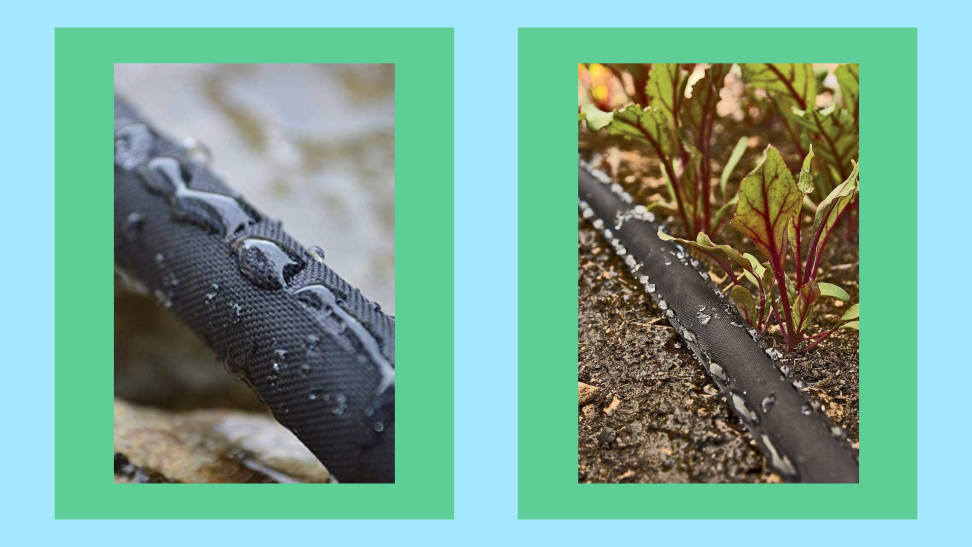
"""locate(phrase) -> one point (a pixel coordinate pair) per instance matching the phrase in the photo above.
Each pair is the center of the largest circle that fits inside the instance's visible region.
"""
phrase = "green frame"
(83, 417)
(547, 262)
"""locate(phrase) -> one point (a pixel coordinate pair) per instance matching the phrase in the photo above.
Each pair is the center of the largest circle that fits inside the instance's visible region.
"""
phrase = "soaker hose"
(799, 441)
(317, 352)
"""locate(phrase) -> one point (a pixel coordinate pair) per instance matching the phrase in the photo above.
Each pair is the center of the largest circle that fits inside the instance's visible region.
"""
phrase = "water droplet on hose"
(197, 151)
(276, 369)
(778, 460)
(718, 372)
(163, 298)
(739, 404)
(314, 394)
(806, 410)
(159, 258)
(799, 384)
(837, 431)
(379, 427)
(316, 253)
(221, 213)
(236, 312)
(133, 144)
(266, 263)
(133, 226)
(312, 344)
(340, 404)
(237, 363)
(211, 294)
(336, 319)
(767, 403)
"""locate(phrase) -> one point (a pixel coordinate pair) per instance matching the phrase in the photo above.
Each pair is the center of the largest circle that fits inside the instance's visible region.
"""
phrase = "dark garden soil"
(651, 414)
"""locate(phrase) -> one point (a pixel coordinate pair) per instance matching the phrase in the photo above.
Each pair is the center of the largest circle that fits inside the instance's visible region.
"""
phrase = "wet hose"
(319, 354)
(799, 441)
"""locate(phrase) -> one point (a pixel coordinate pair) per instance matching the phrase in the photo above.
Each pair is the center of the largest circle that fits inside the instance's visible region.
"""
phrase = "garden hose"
(799, 441)
(317, 352)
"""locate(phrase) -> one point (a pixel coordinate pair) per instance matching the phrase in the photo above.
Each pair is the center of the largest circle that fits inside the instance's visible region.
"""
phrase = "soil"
(654, 416)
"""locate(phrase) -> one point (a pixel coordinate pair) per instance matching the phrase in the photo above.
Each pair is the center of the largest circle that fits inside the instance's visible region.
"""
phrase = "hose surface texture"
(318, 353)
(799, 441)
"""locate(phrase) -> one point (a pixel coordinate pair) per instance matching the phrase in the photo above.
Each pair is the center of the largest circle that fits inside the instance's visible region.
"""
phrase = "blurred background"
(311, 145)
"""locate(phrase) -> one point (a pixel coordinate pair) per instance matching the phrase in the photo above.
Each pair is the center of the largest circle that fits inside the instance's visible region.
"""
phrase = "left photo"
(254, 259)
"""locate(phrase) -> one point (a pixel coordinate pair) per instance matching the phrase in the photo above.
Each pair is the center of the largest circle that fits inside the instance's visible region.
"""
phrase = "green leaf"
(848, 78)
(768, 202)
(829, 289)
(642, 124)
(793, 82)
(829, 210)
(745, 302)
(688, 181)
(701, 106)
(805, 180)
(856, 325)
(852, 313)
(596, 118)
(666, 90)
(729, 205)
(807, 296)
(833, 133)
(737, 154)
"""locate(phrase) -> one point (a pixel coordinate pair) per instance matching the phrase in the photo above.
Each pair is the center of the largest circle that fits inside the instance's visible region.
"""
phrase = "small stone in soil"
(585, 393)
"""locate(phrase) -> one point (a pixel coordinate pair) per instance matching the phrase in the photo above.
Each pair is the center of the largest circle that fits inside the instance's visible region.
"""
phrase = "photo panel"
(267, 194)
(721, 247)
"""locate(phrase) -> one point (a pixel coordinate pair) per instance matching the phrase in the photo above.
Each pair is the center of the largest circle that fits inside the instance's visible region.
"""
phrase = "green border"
(84, 60)
(547, 261)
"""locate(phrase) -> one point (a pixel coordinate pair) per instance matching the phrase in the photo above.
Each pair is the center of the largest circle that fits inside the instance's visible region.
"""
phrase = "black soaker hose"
(799, 441)
(318, 353)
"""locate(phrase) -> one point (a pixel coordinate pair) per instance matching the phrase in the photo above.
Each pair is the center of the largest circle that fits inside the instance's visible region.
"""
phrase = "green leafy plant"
(671, 109)
(673, 113)
(768, 213)
(792, 90)
(678, 127)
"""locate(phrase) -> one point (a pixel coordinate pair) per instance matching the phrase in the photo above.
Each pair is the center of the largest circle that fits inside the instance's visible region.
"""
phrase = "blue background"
(485, 201)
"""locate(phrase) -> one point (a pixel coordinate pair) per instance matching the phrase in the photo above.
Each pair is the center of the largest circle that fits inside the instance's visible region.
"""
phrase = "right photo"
(717, 273)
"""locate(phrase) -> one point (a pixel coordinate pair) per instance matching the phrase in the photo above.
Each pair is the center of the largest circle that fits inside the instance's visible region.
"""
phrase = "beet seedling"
(769, 214)
(671, 110)
(792, 90)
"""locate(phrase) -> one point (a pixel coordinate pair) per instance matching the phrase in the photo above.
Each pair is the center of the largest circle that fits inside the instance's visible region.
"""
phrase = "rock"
(606, 436)
(585, 393)
(208, 446)
(615, 403)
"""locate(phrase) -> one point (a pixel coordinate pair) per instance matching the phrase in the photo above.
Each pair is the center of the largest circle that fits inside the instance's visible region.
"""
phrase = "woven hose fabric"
(799, 441)
(318, 353)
